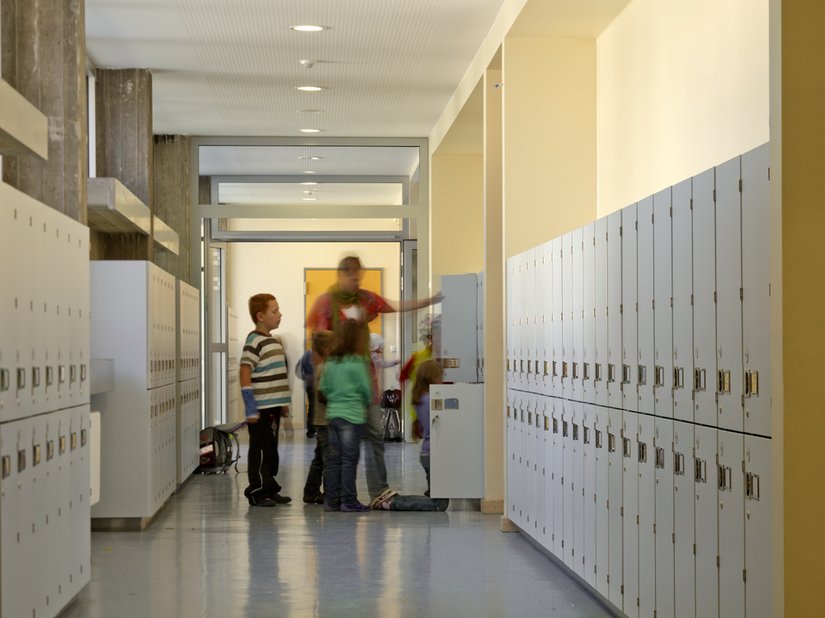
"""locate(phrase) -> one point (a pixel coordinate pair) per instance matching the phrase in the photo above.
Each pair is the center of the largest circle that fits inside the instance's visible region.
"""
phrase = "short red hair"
(259, 304)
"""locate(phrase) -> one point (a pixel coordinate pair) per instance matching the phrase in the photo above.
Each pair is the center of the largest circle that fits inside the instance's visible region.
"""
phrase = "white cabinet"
(458, 334)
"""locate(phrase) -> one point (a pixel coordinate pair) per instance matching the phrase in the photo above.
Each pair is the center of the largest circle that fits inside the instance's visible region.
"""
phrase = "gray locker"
(602, 568)
(645, 456)
(730, 484)
(530, 306)
(629, 310)
(459, 350)
(630, 512)
(758, 490)
(684, 563)
(557, 309)
(756, 289)
(35, 512)
(644, 370)
(704, 296)
(511, 450)
(589, 312)
(590, 531)
(615, 494)
(577, 490)
(549, 482)
(567, 316)
(577, 317)
(662, 305)
(547, 318)
(707, 522)
(529, 476)
(568, 484)
(537, 464)
(8, 337)
(600, 296)
(663, 456)
(682, 238)
(614, 309)
(558, 480)
(728, 296)
(80, 566)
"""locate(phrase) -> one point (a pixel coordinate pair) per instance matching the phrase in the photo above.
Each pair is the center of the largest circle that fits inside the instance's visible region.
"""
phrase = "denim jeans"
(316, 469)
(342, 462)
(374, 452)
(425, 463)
(419, 503)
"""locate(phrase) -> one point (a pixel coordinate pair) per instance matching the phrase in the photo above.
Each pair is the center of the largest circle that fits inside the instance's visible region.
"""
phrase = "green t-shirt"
(346, 385)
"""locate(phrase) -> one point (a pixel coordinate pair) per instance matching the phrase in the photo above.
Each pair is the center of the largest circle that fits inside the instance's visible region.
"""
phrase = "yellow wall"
(803, 299)
(549, 109)
(682, 86)
(457, 211)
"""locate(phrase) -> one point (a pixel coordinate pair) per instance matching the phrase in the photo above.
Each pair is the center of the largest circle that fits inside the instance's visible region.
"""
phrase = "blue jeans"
(425, 463)
(419, 503)
(342, 462)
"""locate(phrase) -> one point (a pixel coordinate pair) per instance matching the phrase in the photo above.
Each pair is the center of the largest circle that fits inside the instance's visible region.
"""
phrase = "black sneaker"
(263, 502)
(279, 499)
(319, 499)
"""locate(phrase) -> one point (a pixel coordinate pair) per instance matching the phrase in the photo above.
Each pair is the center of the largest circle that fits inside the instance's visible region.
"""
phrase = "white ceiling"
(224, 67)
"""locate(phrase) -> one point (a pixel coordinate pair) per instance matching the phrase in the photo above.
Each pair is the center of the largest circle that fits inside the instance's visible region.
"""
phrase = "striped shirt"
(270, 378)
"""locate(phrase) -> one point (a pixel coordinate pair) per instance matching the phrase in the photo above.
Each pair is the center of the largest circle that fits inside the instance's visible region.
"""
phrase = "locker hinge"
(691, 300)
(621, 230)
(694, 549)
(608, 579)
(717, 562)
(636, 225)
(654, 528)
(621, 511)
(769, 173)
(714, 196)
(621, 589)
(621, 308)
(653, 304)
(637, 520)
(671, 301)
(740, 185)
(652, 219)
(673, 538)
(637, 307)
(715, 297)
(637, 601)
(671, 212)
(744, 575)
(741, 294)
(691, 203)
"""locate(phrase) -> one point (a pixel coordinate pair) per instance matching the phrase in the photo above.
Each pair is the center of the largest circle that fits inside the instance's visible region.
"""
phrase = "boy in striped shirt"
(265, 389)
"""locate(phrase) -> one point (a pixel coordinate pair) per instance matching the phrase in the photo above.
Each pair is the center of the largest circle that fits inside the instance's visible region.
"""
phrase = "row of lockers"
(44, 301)
(188, 428)
(661, 308)
(458, 333)
(44, 512)
(661, 517)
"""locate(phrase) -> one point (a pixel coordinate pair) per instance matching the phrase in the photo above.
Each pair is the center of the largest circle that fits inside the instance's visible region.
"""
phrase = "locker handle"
(61, 445)
(35, 455)
(546, 368)
(4, 380)
(83, 437)
(611, 443)
(529, 366)
(564, 369)
(530, 418)
(508, 411)
(599, 440)
(586, 435)
(73, 443)
(546, 424)
(509, 365)
(586, 371)
(35, 377)
(611, 372)
(701, 475)
(21, 378)
(83, 373)
(49, 450)
(598, 377)
(564, 429)
(521, 365)
(752, 486)
(21, 460)
(555, 425)
(626, 379)
(61, 374)
(642, 452)
(660, 457)
(538, 420)
(575, 432)
(679, 464)
(751, 383)
(626, 448)
(72, 373)
(678, 377)
(723, 381)
(642, 376)
(725, 478)
(575, 371)
(49, 375)
(699, 379)
(555, 369)
(658, 376)
(6, 466)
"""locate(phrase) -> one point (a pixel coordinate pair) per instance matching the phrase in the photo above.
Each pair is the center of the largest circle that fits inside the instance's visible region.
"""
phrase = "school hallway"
(197, 558)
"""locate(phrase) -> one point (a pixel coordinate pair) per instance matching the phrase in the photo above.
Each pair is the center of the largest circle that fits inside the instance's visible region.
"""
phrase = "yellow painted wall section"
(549, 139)
(457, 215)
(682, 85)
(803, 257)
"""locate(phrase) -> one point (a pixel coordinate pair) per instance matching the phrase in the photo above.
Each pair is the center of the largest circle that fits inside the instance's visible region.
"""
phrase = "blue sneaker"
(357, 507)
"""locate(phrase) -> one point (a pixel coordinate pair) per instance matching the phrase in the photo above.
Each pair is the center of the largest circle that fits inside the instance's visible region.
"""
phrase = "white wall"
(682, 85)
(278, 269)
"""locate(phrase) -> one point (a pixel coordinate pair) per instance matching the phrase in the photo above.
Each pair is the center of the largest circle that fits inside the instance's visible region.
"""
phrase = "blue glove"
(249, 403)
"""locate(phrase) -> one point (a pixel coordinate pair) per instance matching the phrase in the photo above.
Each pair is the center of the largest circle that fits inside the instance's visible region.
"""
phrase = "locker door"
(518, 431)
(600, 297)
(728, 296)
(629, 311)
(577, 488)
(590, 531)
(615, 493)
(665, 583)
(538, 467)
(577, 317)
(545, 463)
(558, 356)
(52, 535)
(730, 484)
(23, 304)
(645, 369)
(529, 476)
(36, 527)
(758, 527)
(549, 484)
(8, 338)
(630, 511)
(645, 454)
(602, 567)
(568, 483)
(614, 309)
(589, 312)
(80, 506)
(704, 294)
(682, 230)
(707, 522)
(512, 464)
(459, 331)
(558, 480)
(547, 316)
(663, 301)
(64, 497)
(567, 316)
(516, 303)
(684, 521)
(756, 315)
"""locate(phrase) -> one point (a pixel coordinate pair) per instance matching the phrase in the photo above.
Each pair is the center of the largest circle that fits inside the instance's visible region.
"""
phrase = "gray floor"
(209, 554)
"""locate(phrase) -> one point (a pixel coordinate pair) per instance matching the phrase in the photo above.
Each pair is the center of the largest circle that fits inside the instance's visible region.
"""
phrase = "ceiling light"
(310, 199)
(308, 28)
(312, 158)
(307, 63)
(309, 88)
(310, 130)
(309, 172)
(310, 111)
(308, 184)
(307, 192)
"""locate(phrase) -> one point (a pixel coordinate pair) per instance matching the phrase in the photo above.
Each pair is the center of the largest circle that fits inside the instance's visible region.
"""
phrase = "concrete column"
(44, 58)
(494, 347)
(125, 148)
(172, 199)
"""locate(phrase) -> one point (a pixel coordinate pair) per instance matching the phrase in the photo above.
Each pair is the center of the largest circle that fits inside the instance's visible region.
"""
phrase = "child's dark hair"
(349, 340)
(429, 372)
(322, 342)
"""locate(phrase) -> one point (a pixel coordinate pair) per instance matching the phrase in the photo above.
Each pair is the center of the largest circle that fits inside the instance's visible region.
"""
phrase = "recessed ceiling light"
(310, 111)
(310, 199)
(309, 88)
(308, 28)
(310, 130)
(312, 158)
(308, 184)
(307, 192)
(309, 172)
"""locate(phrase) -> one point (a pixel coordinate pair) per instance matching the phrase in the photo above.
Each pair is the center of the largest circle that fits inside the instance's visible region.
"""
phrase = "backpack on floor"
(217, 451)
(391, 421)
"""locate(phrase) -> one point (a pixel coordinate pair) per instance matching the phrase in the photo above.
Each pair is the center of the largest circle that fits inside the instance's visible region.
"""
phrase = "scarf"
(340, 297)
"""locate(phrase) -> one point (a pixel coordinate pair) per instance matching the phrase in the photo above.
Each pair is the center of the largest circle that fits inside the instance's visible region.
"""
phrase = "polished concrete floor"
(209, 554)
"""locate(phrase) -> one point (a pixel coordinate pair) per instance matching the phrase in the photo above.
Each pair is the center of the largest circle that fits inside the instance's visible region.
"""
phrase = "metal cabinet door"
(704, 294)
(758, 490)
(728, 376)
(590, 531)
(80, 567)
(588, 312)
(629, 311)
(558, 480)
(459, 351)
(707, 522)
(576, 317)
(568, 483)
(682, 237)
(645, 456)
(558, 309)
(600, 296)
(530, 312)
(547, 318)
(602, 567)
(730, 483)
(567, 316)
(614, 310)
(756, 289)
(684, 521)
(518, 431)
(511, 467)
(510, 287)
(630, 512)
(644, 369)
(577, 487)
(529, 459)
(665, 583)
(615, 496)
(8, 284)
(663, 304)
(26, 335)
(549, 482)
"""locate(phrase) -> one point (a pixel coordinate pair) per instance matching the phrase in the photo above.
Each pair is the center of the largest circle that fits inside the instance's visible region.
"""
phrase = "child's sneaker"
(317, 499)
(357, 507)
(279, 499)
(329, 508)
(382, 496)
(384, 503)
